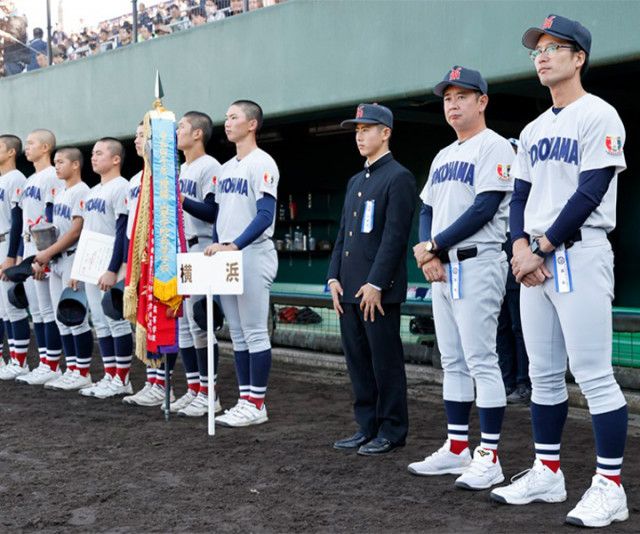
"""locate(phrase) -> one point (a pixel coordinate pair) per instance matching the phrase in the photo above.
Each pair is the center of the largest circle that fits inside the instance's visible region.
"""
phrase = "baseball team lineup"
(552, 194)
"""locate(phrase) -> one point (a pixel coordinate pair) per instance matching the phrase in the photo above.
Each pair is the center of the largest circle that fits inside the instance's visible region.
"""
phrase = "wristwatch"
(430, 246)
(535, 248)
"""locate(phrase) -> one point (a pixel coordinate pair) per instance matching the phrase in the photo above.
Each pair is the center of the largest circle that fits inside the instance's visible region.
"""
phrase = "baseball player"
(15, 321)
(36, 202)
(463, 223)
(197, 177)
(563, 207)
(153, 391)
(68, 207)
(246, 194)
(105, 212)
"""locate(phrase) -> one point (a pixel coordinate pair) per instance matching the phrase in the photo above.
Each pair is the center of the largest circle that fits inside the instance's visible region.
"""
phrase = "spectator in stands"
(175, 18)
(38, 46)
(237, 7)
(16, 54)
(143, 17)
(213, 13)
(162, 29)
(145, 33)
(43, 61)
(255, 4)
(104, 35)
(198, 16)
(124, 35)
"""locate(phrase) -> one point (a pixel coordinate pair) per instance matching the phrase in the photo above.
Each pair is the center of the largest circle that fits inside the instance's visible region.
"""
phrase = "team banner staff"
(151, 297)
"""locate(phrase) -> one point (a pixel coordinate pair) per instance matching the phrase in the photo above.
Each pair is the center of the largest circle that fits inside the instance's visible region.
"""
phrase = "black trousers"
(375, 360)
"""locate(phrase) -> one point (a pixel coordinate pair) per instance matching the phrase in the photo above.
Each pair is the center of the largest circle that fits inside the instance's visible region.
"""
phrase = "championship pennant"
(151, 299)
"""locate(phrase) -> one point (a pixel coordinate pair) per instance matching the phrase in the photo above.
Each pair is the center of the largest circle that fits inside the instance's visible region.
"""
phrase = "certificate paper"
(92, 256)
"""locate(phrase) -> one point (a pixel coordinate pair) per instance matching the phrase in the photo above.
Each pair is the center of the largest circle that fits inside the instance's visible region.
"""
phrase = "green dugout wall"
(308, 62)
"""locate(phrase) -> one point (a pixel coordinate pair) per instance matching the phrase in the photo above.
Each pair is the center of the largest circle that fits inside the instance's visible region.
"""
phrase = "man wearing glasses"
(563, 207)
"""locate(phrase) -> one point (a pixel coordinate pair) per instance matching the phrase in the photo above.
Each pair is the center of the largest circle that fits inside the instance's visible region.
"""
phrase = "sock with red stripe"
(151, 374)
(490, 427)
(259, 367)
(124, 353)
(241, 360)
(107, 351)
(53, 344)
(161, 373)
(41, 341)
(190, 364)
(458, 425)
(610, 432)
(21, 335)
(84, 349)
(69, 348)
(203, 368)
(548, 422)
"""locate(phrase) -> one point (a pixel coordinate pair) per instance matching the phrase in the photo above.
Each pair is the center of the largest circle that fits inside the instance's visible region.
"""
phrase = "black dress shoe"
(352, 442)
(378, 446)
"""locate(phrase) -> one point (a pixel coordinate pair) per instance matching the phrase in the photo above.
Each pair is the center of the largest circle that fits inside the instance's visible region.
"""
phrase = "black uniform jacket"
(378, 256)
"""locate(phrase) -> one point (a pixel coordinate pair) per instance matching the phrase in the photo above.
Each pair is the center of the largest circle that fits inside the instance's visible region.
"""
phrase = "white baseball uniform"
(103, 205)
(467, 305)
(574, 321)
(11, 187)
(241, 184)
(132, 200)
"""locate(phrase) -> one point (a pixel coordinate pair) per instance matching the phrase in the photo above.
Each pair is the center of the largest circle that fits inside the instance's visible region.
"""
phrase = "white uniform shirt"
(104, 204)
(11, 187)
(132, 201)
(69, 203)
(462, 171)
(40, 190)
(554, 149)
(196, 180)
(241, 184)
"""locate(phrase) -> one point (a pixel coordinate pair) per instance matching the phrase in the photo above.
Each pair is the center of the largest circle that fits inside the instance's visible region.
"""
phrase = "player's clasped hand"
(73, 284)
(421, 255)
(219, 247)
(42, 257)
(8, 262)
(38, 271)
(528, 268)
(434, 271)
(371, 300)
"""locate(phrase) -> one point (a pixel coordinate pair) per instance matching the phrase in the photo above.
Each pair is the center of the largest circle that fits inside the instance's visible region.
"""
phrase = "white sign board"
(92, 256)
(220, 274)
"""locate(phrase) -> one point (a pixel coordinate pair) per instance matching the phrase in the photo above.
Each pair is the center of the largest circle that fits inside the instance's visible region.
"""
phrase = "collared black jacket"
(380, 256)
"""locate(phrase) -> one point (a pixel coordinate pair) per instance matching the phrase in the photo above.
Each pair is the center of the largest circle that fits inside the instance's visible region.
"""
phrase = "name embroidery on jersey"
(97, 204)
(459, 171)
(32, 192)
(613, 144)
(234, 185)
(62, 210)
(188, 188)
(134, 192)
(556, 149)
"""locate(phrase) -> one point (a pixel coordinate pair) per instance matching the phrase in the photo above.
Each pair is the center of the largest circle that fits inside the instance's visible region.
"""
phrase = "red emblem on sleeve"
(268, 178)
(214, 180)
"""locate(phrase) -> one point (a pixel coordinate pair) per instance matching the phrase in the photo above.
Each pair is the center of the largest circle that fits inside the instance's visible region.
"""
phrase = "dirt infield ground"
(71, 464)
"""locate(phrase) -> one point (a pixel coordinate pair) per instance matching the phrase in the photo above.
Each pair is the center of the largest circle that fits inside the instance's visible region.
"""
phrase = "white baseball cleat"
(13, 370)
(199, 406)
(42, 377)
(131, 399)
(101, 384)
(74, 382)
(55, 384)
(183, 401)
(482, 472)
(25, 378)
(154, 396)
(114, 388)
(538, 484)
(244, 413)
(442, 462)
(602, 504)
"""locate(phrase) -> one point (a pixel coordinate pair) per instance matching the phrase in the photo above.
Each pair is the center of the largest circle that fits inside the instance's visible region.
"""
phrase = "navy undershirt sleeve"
(125, 249)
(263, 219)
(475, 217)
(48, 211)
(521, 190)
(426, 218)
(21, 248)
(15, 234)
(118, 248)
(206, 211)
(592, 186)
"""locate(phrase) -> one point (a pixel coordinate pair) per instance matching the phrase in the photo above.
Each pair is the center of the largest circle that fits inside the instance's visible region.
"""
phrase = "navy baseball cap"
(22, 271)
(72, 307)
(561, 27)
(113, 302)
(371, 114)
(462, 77)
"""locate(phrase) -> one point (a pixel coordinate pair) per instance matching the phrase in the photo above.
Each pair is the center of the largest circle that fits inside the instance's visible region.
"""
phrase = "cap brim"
(531, 36)
(352, 122)
(439, 89)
